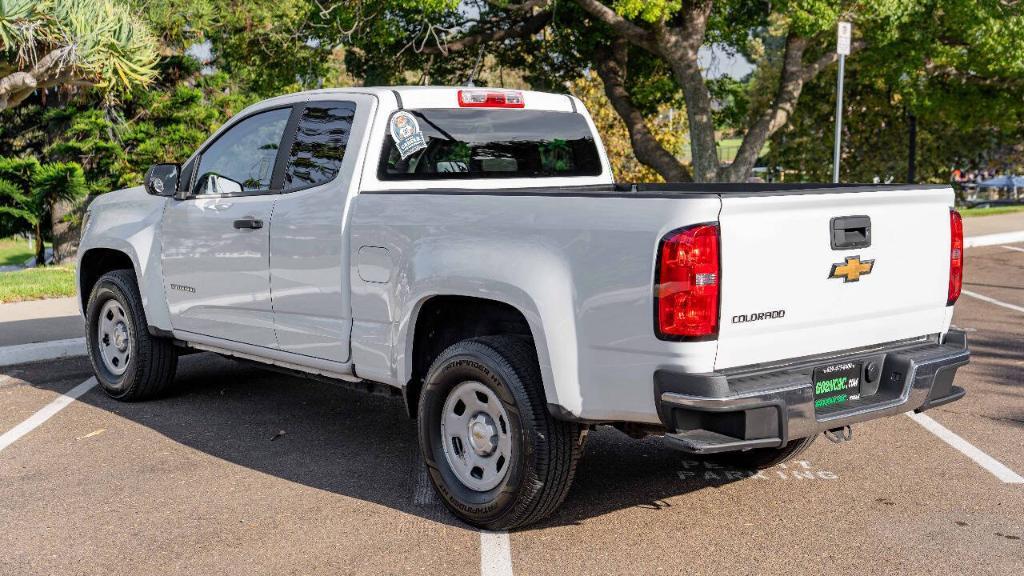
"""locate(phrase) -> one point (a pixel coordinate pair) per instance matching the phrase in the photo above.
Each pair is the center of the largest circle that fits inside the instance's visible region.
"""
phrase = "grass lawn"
(37, 283)
(972, 212)
(14, 251)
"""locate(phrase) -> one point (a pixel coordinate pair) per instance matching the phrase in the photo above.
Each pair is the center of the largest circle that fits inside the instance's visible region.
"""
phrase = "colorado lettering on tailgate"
(741, 318)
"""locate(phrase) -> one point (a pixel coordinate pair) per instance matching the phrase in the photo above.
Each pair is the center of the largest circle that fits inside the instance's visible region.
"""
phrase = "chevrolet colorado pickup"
(468, 250)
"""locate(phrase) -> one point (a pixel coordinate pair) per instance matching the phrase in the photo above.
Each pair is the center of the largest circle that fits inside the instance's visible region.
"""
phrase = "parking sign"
(843, 38)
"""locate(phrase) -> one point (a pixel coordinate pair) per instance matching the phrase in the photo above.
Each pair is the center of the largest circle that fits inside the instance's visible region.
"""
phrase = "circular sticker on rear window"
(405, 131)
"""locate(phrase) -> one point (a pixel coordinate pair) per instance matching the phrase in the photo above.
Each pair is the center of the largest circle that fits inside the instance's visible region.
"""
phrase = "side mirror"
(162, 179)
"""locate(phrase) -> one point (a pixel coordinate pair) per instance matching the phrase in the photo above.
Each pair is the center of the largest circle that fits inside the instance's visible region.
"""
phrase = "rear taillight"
(491, 99)
(686, 286)
(956, 256)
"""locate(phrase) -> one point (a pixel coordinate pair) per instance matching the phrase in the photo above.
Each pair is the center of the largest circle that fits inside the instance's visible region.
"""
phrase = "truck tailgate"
(780, 298)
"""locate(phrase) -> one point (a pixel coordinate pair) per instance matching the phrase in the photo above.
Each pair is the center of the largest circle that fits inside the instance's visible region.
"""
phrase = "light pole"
(842, 48)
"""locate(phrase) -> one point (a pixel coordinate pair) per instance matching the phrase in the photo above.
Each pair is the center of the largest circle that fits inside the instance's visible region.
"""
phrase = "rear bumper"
(768, 406)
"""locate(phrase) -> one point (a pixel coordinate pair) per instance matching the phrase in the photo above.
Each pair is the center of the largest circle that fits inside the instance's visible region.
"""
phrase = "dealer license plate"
(836, 384)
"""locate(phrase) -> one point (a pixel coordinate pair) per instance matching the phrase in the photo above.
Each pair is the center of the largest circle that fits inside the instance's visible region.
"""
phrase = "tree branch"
(623, 27)
(828, 59)
(679, 48)
(527, 27)
(16, 82)
(610, 66)
(794, 76)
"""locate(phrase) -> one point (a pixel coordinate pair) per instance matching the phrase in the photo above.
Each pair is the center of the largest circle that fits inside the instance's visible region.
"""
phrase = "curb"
(39, 351)
(993, 239)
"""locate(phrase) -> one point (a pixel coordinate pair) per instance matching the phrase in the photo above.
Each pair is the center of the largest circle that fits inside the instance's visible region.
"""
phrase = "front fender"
(128, 221)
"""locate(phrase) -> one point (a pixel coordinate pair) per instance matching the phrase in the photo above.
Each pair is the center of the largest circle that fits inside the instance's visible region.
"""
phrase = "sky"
(716, 62)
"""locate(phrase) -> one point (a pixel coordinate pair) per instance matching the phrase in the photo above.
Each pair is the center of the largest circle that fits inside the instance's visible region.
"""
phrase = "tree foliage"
(668, 126)
(647, 54)
(953, 71)
(30, 194)
(71, 43)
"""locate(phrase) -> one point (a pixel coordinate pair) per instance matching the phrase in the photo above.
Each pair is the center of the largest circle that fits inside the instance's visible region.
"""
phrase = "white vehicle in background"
(468, 249)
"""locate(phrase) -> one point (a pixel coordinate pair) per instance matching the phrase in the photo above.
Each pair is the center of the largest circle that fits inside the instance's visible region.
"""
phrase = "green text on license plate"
(836, 384)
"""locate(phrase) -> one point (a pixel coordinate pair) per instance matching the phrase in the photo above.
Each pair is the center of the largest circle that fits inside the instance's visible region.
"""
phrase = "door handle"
(248, 224)
(850, 232)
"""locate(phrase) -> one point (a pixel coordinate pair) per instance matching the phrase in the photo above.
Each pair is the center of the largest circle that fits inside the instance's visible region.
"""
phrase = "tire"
(761, 458)
(541, 452)
(145, 368)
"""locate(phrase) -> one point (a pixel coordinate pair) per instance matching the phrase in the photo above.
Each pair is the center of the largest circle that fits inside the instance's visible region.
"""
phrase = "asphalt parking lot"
(244, 471)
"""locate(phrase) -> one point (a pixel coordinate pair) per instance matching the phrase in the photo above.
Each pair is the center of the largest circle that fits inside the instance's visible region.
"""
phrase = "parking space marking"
(47, 412)
(495, 554)
(993, 239)
(1013, 248)
(997, 468)
(990, 300)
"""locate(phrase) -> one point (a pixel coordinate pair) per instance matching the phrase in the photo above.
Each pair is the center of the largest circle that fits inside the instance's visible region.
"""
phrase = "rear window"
(476, 143)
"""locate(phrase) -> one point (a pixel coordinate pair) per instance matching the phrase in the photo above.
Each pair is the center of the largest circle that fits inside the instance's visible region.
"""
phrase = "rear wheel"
(496, 457)
(128, 362)
(760, 458)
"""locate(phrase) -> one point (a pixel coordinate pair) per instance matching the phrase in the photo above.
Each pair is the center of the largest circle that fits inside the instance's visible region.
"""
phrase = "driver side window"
(242, 159)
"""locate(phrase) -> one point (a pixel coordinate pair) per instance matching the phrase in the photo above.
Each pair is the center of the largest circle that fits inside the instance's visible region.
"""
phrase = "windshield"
(478, 143)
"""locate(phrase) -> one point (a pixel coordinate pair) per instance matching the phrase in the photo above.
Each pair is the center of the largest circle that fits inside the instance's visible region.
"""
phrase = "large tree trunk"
(611, 67)
(678, 46)
(65, 232)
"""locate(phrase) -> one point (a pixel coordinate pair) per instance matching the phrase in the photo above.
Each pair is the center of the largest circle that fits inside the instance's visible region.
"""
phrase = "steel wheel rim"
(476, 436)
(114, 337)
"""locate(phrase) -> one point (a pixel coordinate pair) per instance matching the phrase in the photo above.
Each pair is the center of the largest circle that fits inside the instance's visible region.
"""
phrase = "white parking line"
(39, 351)
(1013, 248)
(495, 554)
(997, 468)
(12, 435)
(993, 239)
(990, 300)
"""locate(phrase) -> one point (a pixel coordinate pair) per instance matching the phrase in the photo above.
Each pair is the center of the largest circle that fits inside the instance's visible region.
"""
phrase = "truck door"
(216, 239)
(309, 251)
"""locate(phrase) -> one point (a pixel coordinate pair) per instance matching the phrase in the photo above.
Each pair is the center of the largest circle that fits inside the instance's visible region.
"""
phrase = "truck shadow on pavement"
(361, 446)
(996, 369)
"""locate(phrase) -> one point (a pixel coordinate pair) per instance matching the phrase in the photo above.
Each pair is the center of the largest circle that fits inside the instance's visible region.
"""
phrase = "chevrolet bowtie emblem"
(852, 269)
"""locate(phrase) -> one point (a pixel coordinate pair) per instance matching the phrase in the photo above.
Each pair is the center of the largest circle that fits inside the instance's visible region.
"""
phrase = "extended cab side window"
(316, 153)
(242, 159)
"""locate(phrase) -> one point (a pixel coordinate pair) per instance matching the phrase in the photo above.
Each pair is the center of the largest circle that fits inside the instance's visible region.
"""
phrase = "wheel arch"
(96, 262)
(439, 320)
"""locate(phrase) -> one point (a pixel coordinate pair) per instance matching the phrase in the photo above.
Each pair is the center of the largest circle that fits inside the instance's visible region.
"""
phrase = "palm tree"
(56, 188)
(72, 43)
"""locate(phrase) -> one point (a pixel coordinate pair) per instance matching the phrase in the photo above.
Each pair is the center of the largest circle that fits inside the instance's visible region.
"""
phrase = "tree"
(668, 127)
(944, 92)
(31, 197)
(648, 52)
(71, 43)
(16, 210)
(14, 214)
(55, 187)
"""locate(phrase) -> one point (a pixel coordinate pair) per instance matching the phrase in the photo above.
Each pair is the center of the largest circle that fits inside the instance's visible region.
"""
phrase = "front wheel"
(128, 362)
(496, 457)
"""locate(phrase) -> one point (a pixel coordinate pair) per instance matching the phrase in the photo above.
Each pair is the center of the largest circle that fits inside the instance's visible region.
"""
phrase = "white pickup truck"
(469, 250)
